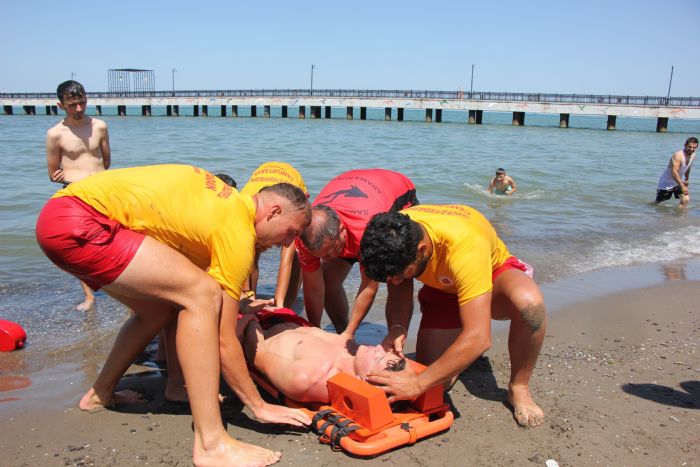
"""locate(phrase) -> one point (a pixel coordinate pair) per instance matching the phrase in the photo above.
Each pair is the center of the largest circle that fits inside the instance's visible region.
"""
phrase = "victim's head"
(373, 357)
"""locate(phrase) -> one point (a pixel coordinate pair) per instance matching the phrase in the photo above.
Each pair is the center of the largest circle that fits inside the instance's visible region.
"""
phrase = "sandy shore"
(619, 380)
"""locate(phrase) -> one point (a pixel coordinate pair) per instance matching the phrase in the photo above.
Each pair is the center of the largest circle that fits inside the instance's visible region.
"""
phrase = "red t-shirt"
(356, 196)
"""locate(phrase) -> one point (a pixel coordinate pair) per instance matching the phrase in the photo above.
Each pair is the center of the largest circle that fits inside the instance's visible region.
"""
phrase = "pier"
(317, 103)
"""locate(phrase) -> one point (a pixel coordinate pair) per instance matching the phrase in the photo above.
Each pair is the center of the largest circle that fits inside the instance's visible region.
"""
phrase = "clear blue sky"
(564, 46)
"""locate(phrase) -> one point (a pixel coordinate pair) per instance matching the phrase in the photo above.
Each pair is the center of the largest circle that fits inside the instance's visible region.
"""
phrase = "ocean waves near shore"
(583, 201)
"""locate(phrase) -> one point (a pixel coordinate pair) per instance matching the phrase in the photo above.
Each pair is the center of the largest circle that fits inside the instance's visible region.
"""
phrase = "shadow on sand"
(690, 399)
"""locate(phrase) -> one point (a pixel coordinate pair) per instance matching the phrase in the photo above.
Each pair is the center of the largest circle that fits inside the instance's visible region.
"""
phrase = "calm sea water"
(583, 203)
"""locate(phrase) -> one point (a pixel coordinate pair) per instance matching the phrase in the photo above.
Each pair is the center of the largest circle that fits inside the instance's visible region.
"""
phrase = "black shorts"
(663, 195)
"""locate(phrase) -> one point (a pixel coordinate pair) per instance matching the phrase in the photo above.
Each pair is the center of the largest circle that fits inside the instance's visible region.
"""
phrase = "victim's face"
(372, 357)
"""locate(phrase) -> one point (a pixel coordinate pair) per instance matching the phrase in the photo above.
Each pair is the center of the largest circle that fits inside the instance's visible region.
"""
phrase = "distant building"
(130, 80)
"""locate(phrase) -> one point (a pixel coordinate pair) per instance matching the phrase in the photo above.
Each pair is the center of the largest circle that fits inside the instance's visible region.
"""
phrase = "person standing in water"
(76, 147)
(676, 178)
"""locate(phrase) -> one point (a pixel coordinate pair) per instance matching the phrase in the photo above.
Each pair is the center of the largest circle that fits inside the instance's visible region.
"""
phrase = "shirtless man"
(676, 178)
(165, 240)
(502, 184)
(299, 359)
(329, 248)
(469, 278)
(78, 146)
(289, 275)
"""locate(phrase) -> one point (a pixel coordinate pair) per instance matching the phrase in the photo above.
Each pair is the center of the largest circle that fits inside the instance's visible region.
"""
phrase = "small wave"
(667, 246)
(520, 194)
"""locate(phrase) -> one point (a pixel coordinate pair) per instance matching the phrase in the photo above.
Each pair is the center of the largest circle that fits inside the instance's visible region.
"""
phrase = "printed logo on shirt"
(352, 192)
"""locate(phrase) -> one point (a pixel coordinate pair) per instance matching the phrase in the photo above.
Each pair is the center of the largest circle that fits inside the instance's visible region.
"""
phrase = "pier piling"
(563, 120)
(518, 118)
(662, 125)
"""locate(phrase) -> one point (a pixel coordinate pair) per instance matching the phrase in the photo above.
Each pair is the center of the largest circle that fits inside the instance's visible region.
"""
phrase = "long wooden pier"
(432, 103)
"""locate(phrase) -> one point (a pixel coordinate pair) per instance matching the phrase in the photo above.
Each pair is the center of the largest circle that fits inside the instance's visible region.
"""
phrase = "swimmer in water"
(502, 184)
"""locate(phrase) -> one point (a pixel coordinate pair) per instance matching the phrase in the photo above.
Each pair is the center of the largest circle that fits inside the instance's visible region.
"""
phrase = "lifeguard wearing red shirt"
(330, 246)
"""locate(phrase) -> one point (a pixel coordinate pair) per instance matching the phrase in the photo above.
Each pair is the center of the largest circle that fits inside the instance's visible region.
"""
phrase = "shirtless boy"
(78, 146)
(502, 184)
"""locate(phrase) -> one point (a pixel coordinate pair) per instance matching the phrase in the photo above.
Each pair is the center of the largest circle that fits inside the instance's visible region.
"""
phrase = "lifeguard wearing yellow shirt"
(289, 275)
(145, 235)
(470, 278)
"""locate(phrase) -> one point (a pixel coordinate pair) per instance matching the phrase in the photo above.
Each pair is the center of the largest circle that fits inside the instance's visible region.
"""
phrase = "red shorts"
(440, 310)
(268, 317)
(84, 242)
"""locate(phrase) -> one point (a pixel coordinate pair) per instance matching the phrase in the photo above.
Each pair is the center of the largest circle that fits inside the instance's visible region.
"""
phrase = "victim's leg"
(516, 297)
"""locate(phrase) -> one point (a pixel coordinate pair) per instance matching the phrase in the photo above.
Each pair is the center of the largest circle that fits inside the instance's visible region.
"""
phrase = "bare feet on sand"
(525, 411)
(91, 402)
(232, 452)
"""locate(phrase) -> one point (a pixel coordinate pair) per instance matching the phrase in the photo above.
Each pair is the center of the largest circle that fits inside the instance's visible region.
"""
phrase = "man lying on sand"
(298, 359)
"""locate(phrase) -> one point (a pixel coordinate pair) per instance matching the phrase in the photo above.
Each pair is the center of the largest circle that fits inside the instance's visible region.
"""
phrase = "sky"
(624, 47)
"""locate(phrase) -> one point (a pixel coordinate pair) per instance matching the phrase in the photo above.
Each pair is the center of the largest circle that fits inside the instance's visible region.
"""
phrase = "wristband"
(403, 329)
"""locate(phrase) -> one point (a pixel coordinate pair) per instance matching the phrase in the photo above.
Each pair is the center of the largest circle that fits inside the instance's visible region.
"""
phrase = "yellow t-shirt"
(184, 207)
(271, 173)
(466, 249)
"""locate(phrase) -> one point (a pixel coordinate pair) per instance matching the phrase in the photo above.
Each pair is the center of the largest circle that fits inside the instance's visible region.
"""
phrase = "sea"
(583, 214)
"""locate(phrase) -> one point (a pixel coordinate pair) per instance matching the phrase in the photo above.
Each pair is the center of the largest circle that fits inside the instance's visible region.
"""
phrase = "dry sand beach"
(619, 379)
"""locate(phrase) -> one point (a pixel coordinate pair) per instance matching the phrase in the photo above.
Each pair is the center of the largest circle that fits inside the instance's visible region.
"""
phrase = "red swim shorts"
(268, 317)
(440, 310)
(84, 242)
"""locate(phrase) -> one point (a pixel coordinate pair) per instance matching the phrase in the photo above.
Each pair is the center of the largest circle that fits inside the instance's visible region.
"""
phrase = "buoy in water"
(12, 336)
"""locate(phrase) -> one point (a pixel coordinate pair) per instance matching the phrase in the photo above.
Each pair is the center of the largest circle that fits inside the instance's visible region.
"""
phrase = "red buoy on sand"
(12, 336)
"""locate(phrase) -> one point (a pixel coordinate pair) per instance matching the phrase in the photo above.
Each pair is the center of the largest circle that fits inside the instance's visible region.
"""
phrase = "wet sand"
(618, 377)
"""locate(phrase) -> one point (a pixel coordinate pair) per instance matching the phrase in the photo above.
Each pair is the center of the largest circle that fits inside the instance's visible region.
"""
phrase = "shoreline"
(617, 378)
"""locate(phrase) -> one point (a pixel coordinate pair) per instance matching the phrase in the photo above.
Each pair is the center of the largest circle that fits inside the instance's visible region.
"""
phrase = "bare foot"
(525, 411)
(232, 452)
(86, 305)
(91, 402)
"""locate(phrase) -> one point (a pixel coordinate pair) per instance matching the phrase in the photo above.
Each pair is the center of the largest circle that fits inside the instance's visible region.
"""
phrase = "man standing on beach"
(469, 278)
(289, 276)
(676, 178)
(146, 235)
(502, 184)
(330, 246)
(76, 147)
